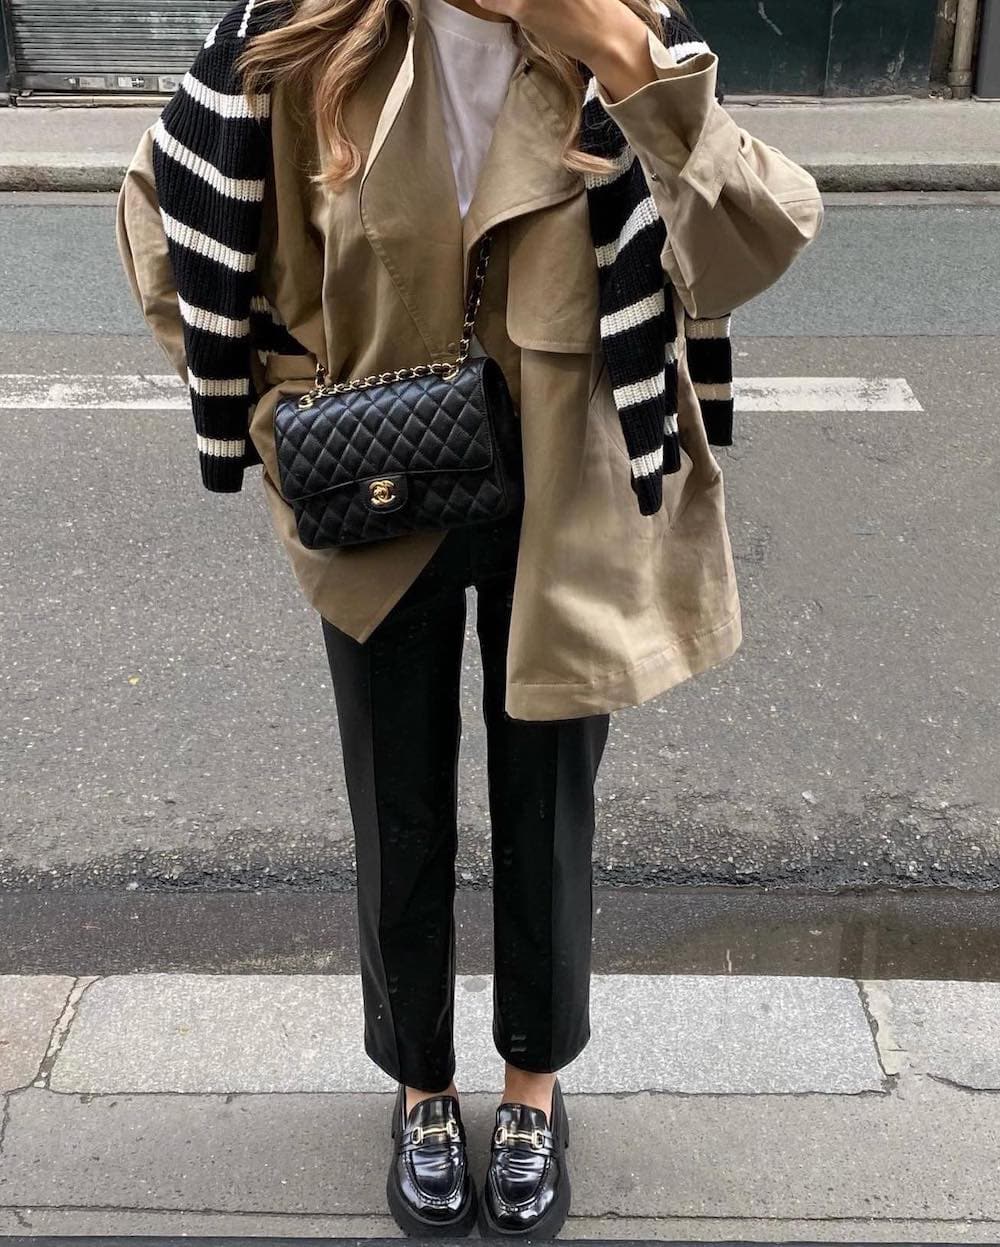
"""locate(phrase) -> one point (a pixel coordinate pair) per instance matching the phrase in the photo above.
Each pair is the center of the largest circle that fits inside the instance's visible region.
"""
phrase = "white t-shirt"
(475, 59)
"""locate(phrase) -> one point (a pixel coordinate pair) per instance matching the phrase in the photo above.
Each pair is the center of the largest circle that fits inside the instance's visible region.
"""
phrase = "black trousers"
(397, 697)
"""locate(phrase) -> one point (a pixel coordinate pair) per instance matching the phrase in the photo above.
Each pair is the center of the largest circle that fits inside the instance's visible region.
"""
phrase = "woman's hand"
(604, 34)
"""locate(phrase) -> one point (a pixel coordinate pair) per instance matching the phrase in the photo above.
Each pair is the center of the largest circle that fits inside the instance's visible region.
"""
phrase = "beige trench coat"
(610, 607)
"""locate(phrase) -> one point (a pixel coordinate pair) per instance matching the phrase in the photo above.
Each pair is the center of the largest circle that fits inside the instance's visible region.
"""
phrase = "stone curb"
(176, 1033)
(906, 177)
(54, 172)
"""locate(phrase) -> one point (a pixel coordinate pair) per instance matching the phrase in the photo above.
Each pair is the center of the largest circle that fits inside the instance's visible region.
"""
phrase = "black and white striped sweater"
(211, 153)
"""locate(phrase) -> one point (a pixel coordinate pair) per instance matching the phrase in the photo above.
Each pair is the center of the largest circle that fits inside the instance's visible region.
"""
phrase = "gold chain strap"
(321, 389)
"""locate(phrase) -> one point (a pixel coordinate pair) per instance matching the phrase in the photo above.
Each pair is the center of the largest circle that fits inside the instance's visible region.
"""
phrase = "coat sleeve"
(142, 247)
(737, 211)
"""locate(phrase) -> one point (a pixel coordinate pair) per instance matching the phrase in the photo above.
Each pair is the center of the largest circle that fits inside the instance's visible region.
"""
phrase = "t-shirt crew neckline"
(475, 59)
(446, 16)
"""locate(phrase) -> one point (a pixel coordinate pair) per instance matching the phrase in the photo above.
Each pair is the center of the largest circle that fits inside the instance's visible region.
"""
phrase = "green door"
(819, 47)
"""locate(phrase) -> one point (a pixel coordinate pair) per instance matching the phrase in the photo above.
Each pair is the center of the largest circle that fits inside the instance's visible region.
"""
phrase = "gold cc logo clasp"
(381, 493)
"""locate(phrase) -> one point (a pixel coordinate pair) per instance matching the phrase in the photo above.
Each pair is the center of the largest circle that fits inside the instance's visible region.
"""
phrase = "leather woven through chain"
(430, 441)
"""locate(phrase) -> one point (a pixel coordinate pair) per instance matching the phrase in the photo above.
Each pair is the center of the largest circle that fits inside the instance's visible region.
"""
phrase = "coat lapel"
(523, 171)
(408, 202)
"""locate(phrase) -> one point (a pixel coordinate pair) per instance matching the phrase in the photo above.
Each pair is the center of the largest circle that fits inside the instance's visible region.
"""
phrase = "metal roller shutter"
(107, 45)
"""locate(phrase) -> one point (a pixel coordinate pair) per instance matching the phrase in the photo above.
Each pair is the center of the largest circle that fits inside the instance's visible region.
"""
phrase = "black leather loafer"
(429, 1188)
(527, 1192)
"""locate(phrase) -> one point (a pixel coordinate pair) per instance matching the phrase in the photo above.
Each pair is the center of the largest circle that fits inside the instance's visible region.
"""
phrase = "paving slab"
(77, 1222)
(786, 1157)
(943, 1029)
(287, 1033)
(30, 1006)
(314, 1154)
(84, 131)
(875, 131)
(218, 1033)
(780, 1230)
(883, 145)
(726, 1034)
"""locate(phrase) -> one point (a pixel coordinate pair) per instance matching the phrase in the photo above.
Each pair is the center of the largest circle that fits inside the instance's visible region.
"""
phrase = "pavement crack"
(956, 1085)
(169, 1210)
(873, 1025)
(60, 1032)
(4, 1119)
(779, 1219)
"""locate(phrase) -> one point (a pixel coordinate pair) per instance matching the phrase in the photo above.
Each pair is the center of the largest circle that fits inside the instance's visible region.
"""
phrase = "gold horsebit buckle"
(419, 1133)
(503, 1135)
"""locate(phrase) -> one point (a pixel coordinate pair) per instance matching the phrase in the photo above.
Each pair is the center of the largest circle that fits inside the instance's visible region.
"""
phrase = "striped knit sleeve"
(639, 333)
(707, 344)
(707, 341)
(210, 153)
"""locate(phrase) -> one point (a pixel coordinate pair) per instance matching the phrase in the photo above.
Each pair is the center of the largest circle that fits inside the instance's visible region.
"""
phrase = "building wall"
(775, 47)
(820, 47)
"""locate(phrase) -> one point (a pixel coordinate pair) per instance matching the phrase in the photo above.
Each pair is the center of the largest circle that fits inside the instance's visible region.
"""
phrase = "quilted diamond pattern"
(441, 435)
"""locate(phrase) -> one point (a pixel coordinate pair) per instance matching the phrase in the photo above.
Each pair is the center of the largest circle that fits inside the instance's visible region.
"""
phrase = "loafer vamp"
(430, 1169)
(525, 1162)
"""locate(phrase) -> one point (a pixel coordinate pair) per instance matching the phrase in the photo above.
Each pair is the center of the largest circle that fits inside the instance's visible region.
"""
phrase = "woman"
(401, 132)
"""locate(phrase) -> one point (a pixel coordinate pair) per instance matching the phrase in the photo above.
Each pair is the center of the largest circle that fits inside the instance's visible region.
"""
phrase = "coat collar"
(408, 201)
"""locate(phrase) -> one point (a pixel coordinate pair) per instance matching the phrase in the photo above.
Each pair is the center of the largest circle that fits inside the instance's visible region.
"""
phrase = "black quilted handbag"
(431, 447)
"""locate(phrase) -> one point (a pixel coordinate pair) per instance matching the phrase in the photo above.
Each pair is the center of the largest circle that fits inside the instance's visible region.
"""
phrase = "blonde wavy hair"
(327, 47)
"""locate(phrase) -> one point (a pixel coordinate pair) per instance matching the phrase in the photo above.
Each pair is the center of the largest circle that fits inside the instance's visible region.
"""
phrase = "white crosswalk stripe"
(27, 392)
(807, 394)
(119, 392)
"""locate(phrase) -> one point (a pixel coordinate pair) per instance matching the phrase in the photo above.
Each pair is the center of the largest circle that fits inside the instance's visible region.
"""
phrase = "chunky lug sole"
(415, 1226)
(548, 1225)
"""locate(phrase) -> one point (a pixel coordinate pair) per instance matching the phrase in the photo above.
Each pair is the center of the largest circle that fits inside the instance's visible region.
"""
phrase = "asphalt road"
(167, 717)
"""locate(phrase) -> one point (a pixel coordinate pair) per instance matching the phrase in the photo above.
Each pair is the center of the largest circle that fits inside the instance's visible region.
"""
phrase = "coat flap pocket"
(552, 284)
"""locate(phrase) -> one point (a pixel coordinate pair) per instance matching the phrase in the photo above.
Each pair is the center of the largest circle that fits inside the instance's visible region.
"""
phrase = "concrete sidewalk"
(850, 145)
(704, 1107)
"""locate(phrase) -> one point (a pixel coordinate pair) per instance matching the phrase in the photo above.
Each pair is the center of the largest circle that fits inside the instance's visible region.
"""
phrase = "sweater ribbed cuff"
(220, 474)
(717, 417)
(649, 491)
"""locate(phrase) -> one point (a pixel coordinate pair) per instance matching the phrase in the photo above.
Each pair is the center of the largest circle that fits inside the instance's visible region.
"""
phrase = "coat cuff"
(676, 126)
